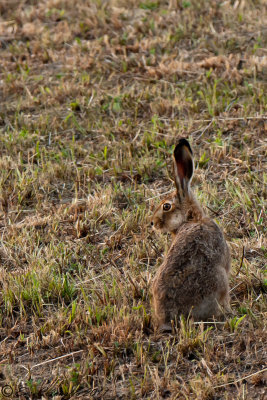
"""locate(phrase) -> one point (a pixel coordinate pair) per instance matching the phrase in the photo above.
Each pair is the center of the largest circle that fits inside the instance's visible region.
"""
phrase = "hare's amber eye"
(167, 206)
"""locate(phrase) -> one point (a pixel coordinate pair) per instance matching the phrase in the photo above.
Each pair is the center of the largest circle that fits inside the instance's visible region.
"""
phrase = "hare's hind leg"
(224, 296)
(214, 304)
(160, 310)
(225, 300)
(160, 315)
(208, 308)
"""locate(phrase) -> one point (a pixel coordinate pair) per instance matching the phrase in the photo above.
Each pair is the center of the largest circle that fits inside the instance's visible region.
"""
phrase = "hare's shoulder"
(198, 232)
(196, 243)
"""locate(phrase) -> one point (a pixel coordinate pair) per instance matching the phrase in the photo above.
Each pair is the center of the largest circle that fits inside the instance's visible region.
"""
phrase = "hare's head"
(180, 206)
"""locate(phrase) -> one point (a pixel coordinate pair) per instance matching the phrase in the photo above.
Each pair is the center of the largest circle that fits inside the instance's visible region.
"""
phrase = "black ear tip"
(182, 143)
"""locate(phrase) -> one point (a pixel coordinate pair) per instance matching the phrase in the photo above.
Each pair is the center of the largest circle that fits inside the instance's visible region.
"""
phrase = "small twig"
(259, 296)
(205, 365)
(160, 194)
(57, 358)
(89, 280)
(2, 341)
(137, 289)
(240, 283)
(205, 129)
(240, 379)
(241, 262)
(209, 322)
(264, 117)
(214, 119)
(215, 212)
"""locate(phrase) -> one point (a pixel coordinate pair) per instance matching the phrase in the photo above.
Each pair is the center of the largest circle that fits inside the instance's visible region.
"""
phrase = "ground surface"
(94, 95)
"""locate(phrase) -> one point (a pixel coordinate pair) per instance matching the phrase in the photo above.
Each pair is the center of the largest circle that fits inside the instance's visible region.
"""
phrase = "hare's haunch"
(193, 278)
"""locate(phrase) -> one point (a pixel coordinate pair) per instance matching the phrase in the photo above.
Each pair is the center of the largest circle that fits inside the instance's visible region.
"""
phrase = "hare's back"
(192, 269)
(196, 242)
(197, 250)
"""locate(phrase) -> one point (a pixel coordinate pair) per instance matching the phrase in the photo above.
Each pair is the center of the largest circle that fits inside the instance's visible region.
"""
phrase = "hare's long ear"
(183, 166)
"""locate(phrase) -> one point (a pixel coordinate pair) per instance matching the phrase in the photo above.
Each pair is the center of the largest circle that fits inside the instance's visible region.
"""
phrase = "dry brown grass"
(93, 96)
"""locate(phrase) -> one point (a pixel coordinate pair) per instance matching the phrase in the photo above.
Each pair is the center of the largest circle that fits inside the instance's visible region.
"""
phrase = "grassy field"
(93, 96)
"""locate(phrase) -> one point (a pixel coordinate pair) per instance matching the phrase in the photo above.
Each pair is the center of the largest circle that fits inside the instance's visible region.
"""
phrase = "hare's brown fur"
(193, 278)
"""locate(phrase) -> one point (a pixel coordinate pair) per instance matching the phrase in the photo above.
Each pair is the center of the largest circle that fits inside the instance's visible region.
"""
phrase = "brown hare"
(193, 279)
